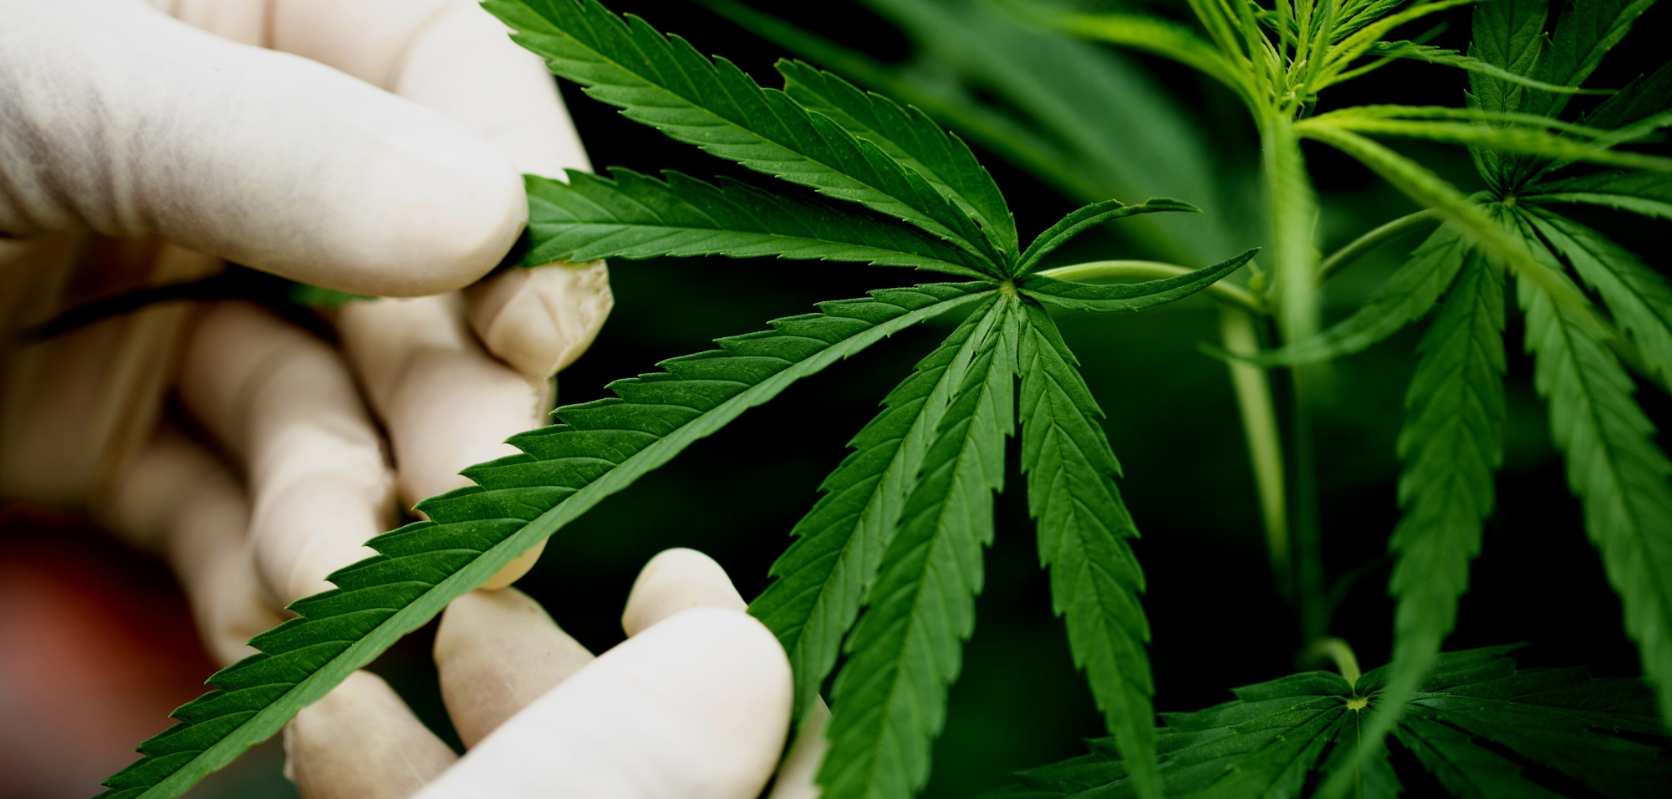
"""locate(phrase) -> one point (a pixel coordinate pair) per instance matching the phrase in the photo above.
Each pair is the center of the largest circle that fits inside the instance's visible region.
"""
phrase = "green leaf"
(1087, 216)
(1640, 193)
(1128, 297)
(1451, 444)
(1486, 233)
(1638, 297)
(1584, 34)
(823, 576)
(1407, 295)
(889, 700)
(1478, 724)
(1428, 53)
(1616, 469)
(630, 215)
(1512, 140)
(1084, 529)
(1507, 36)
(598, 449)
(1154, 36)
(665, 83)
(911, 138)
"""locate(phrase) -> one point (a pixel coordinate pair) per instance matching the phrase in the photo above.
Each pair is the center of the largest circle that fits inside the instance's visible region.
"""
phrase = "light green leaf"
(1408, 295)
(1616, 469)
(1128, 297)
(822, 577)
(1086, 216)
(664, 83)
(1084, 529)
(889, 700)
(598, 449)
(630, 215)
(1482, 726)
(1155, 36)
(1486, 233)
(1637, 192)
(1513, 140)
(1638, 297)
(911, 138)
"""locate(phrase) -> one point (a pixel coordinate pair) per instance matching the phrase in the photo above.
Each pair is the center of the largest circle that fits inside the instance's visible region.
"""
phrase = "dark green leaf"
(838, 547)
(630, 215)
(890, 697)
(1408, 295)
(1483, 727)
(1084, 529)
(598, 449)
(910, 138)
(665, 83)
(1642, 193)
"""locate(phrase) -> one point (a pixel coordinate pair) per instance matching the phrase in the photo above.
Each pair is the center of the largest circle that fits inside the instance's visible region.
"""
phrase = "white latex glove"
(370, 146)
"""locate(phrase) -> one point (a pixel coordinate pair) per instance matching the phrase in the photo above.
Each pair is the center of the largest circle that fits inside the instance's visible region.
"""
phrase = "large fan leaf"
(1080, 219)
(638, 216)
(1084, 529)
(911, 138)
(838, 547)
(1615, 467)
(1408, 295)
(1478, 724)
(664, 82)
(890, 697)
(1507, 36)
(599, 448)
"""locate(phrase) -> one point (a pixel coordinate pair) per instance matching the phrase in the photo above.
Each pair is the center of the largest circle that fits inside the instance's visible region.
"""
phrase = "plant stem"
(1091, 271)
(1337, 651)
(1265, 441)
(1307, 564)
(1369, 241)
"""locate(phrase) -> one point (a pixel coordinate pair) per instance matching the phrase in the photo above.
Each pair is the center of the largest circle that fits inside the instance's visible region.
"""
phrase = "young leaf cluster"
(1477, 726)
(887, 565)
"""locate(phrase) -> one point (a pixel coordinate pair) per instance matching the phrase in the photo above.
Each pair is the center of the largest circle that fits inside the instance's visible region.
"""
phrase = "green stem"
(1252, 386)
(1091, 271)
(1338, 652)
(1369, 241)
(1307, 564)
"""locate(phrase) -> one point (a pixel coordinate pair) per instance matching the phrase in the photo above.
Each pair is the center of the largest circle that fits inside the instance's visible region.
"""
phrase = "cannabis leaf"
(1479, 725)
(890, 698)
(839, 544)
(636, 216)
(665, 83)
(599, 448)
(1407, 295)
(1083, 532)
(1646, 194)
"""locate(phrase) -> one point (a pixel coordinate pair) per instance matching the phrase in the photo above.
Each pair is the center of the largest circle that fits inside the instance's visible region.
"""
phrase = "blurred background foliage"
(1059, 122)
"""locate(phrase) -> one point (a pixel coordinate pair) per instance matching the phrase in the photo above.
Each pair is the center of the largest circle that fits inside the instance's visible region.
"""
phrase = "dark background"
(1218, 620)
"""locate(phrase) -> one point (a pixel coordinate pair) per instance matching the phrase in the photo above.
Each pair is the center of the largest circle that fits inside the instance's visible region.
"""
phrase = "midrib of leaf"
(735, 118)
(1617, 470)
(560, 468)
(922, 605)
(1083, 527)
(822, 578)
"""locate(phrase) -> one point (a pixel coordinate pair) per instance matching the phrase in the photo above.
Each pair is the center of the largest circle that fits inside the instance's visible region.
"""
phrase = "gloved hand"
(372, 147)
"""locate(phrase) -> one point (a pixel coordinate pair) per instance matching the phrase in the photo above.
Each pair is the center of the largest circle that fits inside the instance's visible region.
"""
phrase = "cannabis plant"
(901, 528)
(879, 584)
